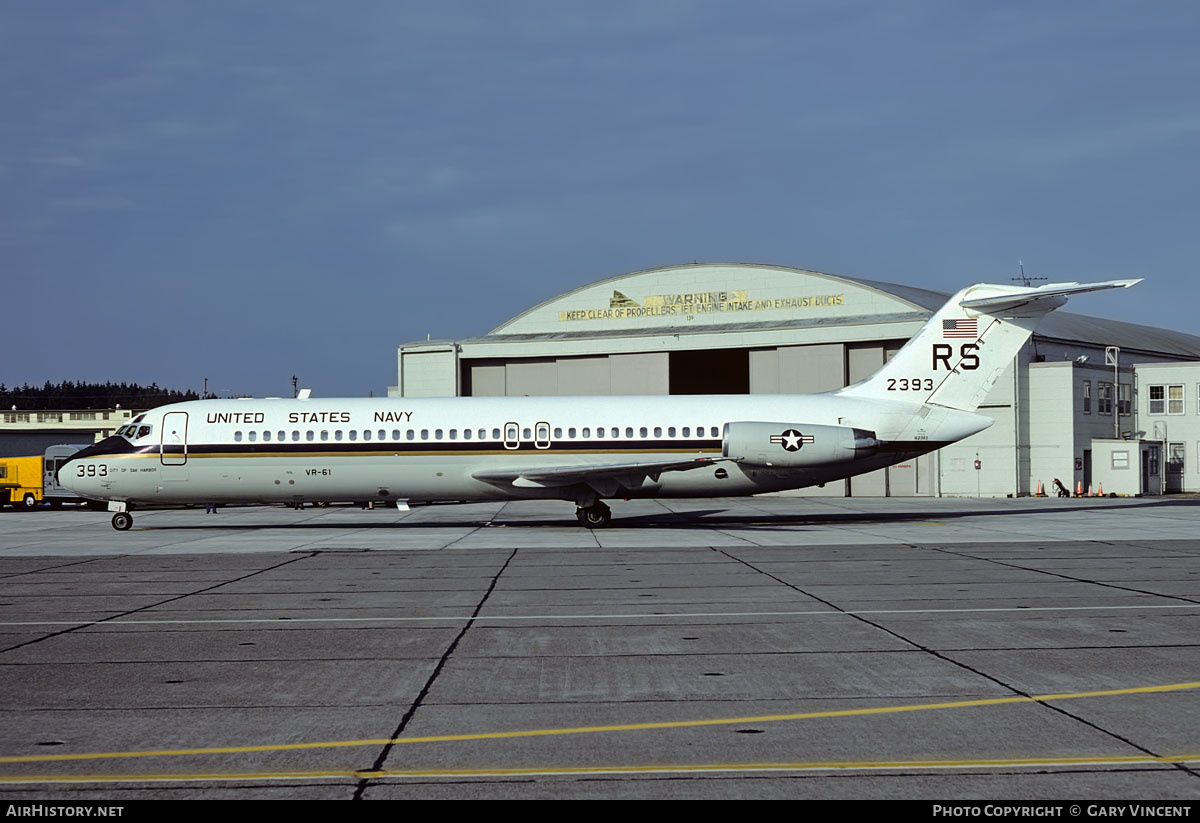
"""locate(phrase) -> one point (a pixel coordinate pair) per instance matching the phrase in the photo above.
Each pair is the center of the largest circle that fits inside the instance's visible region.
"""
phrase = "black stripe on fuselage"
(381, 447)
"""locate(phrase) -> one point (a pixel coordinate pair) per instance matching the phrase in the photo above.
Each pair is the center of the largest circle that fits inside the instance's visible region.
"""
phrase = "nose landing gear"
(595, 516)
(121, 521)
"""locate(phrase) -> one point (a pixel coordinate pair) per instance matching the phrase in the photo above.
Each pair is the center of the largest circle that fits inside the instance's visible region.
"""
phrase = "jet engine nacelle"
(796, 445)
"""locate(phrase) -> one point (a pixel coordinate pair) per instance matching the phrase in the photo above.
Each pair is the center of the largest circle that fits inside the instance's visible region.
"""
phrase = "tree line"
(71, 395)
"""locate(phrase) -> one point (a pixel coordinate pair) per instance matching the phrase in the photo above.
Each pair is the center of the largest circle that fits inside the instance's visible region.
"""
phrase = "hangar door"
(710, 371)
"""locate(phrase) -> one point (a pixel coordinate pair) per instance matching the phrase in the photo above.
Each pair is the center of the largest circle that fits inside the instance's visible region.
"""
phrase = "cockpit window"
(143, 431)
(138, 419)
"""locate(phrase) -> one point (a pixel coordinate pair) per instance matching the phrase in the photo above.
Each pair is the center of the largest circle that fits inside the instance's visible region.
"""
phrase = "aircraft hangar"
(737, 328)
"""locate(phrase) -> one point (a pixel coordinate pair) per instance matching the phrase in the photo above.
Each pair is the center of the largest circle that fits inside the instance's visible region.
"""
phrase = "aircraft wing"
(604, 477)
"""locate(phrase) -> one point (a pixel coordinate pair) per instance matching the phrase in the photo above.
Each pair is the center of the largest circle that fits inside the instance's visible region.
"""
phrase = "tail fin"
(956, 357)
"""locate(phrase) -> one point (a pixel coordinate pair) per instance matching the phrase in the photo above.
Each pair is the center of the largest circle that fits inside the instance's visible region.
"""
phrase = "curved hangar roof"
(710, 297)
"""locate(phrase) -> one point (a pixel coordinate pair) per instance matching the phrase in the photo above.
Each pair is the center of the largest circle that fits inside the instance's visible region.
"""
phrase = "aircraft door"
(512, 436)
(174, 439)
(542, 436)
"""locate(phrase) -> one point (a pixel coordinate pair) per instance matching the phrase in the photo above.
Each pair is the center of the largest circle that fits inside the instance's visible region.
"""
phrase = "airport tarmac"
(728, 648)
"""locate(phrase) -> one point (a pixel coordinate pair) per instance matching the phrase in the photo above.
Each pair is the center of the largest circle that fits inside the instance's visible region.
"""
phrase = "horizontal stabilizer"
(1024, 296)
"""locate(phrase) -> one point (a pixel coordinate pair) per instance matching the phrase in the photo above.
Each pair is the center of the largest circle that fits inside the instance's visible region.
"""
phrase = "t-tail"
(956, 358)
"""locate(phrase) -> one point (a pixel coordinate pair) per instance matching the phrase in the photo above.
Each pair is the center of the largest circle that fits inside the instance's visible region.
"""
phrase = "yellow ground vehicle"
(27, 481)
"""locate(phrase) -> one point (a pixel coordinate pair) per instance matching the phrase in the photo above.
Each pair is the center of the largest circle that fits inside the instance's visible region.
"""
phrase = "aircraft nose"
(64, 477)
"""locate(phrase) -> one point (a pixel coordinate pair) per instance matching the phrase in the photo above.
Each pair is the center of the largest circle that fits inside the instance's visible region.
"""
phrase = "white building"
(1169, 413)
(733, 328)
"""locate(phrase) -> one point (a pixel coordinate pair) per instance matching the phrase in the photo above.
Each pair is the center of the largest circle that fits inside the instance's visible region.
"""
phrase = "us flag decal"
(960, 328)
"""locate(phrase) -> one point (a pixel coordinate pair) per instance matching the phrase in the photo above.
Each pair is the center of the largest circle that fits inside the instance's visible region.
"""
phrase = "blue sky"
(251, 190)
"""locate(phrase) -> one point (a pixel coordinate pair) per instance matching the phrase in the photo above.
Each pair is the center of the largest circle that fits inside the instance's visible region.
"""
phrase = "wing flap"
(553, 476)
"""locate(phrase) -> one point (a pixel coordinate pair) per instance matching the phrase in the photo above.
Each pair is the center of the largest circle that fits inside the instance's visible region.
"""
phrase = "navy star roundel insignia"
(791, 440)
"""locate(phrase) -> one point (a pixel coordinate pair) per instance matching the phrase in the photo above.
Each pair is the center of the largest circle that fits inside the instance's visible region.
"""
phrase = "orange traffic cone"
(1040, 492)
(1079, 488)
(1101, 492)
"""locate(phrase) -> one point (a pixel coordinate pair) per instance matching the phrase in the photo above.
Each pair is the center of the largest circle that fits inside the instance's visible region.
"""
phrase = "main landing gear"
(595, 516)
(122, 521)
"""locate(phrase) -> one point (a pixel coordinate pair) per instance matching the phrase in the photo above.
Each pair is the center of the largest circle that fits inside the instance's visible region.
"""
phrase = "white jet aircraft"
(581, 449)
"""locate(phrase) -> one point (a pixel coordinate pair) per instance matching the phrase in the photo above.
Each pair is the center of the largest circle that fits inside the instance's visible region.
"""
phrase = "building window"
(1125, 399)
(1152, 452)
(1158, 400)
(1175, 399)
(1105, 406)
(1175, 457)
(1120, 460)
(1087, 396)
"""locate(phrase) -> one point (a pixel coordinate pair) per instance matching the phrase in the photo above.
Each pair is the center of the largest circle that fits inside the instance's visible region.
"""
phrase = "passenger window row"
(586, 433)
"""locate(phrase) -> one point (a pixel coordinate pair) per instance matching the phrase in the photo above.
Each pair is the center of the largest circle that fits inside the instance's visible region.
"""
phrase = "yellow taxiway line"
(626, 727)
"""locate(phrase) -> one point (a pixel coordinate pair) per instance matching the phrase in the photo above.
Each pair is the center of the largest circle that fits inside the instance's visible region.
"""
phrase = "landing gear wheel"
(122, 521)
(595, 516)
